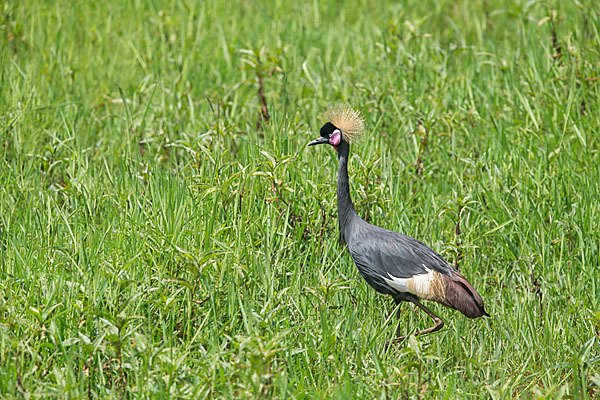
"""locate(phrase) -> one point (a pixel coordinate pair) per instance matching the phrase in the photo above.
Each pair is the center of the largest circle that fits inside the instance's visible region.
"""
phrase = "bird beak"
(319, 140)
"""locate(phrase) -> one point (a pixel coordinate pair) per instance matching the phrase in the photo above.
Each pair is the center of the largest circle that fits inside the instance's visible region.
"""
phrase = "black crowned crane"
(392, 263)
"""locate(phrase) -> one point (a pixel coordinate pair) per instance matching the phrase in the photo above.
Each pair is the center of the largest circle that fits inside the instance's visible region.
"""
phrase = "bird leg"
(438, 325)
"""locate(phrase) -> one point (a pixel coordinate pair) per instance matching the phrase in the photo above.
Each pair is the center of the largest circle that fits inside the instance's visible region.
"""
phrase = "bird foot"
(396, 341)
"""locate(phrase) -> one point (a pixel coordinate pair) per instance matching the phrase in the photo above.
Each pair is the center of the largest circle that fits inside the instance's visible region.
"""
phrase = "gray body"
(390, 261)
(378, 252)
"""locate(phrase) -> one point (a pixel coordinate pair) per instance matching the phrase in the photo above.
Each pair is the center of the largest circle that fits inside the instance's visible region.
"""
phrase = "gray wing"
(379, 253)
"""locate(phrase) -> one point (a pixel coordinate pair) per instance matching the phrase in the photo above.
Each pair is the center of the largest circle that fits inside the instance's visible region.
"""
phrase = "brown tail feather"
(460, 295)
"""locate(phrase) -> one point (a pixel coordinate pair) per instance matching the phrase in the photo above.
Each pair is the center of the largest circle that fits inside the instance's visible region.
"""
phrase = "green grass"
(156, 242)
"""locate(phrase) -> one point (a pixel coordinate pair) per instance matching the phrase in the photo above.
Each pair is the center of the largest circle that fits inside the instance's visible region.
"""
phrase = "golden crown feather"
(346, 119)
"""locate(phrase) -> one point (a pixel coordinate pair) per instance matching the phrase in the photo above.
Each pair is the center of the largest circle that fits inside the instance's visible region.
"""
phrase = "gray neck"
(346, 211)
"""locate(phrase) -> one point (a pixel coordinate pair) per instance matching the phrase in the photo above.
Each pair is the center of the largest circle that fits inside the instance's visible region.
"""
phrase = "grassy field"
(163, 234)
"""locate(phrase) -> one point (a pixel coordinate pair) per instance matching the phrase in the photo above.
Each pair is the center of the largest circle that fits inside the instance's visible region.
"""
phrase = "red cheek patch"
(335, 139)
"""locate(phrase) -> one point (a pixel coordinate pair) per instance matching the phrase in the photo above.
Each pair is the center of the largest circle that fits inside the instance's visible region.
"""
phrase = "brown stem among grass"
(293, 217)
(554, 37)
(419, 163)
(264, 116)
(537, 290)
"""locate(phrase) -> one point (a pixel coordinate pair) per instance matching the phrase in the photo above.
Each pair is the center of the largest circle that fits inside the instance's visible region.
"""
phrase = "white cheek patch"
(418, 285)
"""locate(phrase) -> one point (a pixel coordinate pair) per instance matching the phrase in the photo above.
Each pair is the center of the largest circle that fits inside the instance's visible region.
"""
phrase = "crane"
(392, 263)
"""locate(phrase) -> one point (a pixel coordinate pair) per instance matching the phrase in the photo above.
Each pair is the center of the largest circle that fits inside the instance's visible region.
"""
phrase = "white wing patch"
(418, 285)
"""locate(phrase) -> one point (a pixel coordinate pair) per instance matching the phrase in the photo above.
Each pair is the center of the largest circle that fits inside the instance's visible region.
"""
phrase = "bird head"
(345, 124)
